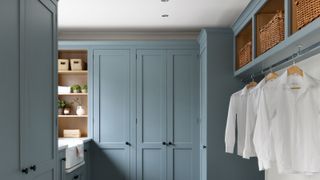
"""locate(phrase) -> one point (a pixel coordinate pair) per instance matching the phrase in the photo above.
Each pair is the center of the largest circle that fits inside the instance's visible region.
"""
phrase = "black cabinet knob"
(76, 177)
(170, 143)
(85, 150)
(204, 147)
(33, 168)
(25, 170)
(164, 143)
(63, 159)
(128, 144)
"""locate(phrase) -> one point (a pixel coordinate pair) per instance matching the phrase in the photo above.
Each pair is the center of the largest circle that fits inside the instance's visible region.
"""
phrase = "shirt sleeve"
(230, 133)
(250, 125)
(262, 134)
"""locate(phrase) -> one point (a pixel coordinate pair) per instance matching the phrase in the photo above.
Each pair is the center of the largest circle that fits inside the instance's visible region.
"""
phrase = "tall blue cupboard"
(28, 76)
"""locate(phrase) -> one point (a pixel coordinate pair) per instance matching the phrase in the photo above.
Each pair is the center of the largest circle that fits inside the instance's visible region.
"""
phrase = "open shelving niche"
(69, 78)
(307, 36)
(242, 38)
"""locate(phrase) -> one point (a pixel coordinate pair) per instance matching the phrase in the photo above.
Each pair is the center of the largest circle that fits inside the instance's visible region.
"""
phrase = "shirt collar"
(306, 81)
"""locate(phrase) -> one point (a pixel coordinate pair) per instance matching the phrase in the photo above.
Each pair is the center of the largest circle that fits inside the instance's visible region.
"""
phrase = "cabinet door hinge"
(136, 56)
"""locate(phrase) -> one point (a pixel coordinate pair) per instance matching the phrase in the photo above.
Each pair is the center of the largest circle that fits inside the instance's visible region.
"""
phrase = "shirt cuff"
(229, 149)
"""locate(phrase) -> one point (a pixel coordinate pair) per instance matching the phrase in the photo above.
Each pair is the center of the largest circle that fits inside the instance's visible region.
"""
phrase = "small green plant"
(76, 101)
(76, 88)
(85, 87)
(61, 104)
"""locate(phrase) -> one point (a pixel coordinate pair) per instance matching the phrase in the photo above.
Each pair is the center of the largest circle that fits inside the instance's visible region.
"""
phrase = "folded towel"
(80, 150)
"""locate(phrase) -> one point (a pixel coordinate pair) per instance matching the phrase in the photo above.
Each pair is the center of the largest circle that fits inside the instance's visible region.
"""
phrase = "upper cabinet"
(270, 31)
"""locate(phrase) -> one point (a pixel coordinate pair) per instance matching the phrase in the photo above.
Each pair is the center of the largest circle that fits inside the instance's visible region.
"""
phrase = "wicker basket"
(272, 33)
(245, 55)
(307, 11)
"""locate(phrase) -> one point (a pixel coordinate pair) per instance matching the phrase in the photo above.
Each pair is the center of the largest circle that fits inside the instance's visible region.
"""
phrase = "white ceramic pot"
(80, 111)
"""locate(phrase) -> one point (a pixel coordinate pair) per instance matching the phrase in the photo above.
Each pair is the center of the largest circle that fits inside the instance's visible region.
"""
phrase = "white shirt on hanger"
(251, 116)
(236, 120)
(288, 125)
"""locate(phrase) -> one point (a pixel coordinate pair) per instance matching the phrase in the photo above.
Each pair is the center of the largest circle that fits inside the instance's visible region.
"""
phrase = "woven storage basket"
(245, 54)
(307, 11)
(272, 33)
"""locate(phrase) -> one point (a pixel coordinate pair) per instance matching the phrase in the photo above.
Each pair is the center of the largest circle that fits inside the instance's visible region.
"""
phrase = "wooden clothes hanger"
(252, 84)
(271, 76)
(294, 69)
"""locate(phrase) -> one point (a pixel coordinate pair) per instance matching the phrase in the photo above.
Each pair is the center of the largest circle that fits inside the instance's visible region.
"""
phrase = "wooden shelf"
(73, 94)
(74, 72)
(72, 116)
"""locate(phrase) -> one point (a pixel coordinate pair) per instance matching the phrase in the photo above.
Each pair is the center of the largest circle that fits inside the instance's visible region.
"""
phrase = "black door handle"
(164, 143)
(128, 144)
(33, 168)
(25, 170)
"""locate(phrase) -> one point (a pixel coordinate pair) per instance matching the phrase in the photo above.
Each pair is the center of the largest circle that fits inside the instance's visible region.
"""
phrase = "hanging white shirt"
(251, 116)
(236, 120)
(288, 125)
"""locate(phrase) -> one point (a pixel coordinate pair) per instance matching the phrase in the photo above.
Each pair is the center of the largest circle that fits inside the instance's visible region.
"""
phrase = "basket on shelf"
(245, 54)
(307, 11)
(272, 33)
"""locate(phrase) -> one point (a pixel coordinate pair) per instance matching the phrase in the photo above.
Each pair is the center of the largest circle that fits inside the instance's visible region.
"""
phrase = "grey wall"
(220, 85)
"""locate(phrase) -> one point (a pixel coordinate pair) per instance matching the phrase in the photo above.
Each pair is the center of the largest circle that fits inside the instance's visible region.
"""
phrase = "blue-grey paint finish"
(61, 165)
(38, 82)
(307, 36)
(219, 83)
(28, 69)
(151, 114)
(9, 91)
(183, 115)
(112, 125)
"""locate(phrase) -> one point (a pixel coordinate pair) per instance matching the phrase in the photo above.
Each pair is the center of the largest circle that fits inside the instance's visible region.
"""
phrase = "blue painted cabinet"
(151, 114)
(167, 124)
(28, 74)
(113, 104)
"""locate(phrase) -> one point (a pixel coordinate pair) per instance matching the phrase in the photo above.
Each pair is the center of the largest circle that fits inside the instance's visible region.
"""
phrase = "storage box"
(63, 64)
(77, 64)
(272, 33)
(245, 55)
(71, 133)
(64, 89)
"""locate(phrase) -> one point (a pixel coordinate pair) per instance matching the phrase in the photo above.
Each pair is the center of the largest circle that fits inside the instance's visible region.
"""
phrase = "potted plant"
(75, 88)
(80, 109)
(61, 106)
(67, 109)
(84, 88)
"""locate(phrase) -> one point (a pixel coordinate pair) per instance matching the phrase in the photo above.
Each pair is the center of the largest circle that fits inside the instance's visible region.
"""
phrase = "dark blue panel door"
(152, 115)
(183, 112)
(112, 117)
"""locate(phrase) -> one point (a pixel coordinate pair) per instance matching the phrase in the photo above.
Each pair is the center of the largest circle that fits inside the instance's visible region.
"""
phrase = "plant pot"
(60, 111)
(84, 91)
(75, 91)
(80, 111)
(66, 111)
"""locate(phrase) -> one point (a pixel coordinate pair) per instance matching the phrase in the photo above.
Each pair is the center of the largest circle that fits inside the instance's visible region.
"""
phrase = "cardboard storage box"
(71, 133)
(77, 64)
(63, 64)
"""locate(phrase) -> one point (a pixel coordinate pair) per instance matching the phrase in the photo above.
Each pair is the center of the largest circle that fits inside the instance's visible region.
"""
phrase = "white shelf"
(73, 94)
(72, 116)
(73, 72)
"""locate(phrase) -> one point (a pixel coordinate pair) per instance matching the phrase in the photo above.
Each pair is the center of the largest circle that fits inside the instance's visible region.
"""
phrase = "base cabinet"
(78, 174)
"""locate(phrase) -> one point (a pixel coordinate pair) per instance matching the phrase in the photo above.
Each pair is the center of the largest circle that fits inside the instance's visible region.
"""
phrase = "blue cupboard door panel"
(38, 88)
(112, 88)
(152, 115)
(203, 110)
(183, 115)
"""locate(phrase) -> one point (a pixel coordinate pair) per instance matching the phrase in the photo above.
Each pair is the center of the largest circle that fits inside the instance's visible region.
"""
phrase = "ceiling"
(133, 15)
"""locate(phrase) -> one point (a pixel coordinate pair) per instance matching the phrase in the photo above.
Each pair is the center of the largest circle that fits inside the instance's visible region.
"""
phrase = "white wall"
(312, 67)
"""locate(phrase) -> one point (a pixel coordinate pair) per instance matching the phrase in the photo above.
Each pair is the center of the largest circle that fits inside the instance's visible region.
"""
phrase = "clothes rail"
(299, 56)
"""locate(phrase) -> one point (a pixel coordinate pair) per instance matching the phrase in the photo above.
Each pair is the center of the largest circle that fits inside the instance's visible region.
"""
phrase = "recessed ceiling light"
(165, 15)
(164, 0)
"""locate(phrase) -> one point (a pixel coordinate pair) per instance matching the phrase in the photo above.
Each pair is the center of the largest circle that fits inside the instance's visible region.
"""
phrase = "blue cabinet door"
(183, 112)
(203, 118)
(38, 72)
(113, 104)
(152, 114)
